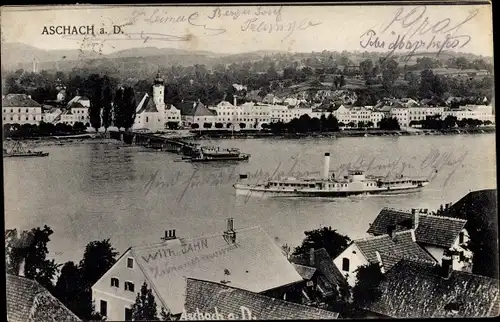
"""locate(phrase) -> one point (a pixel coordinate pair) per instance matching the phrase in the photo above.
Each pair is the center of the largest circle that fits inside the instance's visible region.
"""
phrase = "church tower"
(159, 93)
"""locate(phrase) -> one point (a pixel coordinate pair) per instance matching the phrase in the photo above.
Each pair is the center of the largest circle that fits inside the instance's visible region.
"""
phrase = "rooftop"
(29, 301)
(19, 100)
(254, 262)
(146, 105)
(432, 230)
(417, 290)
(206, 296)
(400, 246)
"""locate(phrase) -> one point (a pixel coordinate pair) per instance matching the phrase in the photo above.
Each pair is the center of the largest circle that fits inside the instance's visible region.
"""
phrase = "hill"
(480, 210)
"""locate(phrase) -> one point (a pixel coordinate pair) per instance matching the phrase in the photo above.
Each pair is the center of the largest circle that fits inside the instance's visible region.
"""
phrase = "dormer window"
(461, 237)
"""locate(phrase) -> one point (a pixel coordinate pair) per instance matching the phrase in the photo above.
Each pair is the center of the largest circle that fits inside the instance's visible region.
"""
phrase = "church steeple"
(158, 80)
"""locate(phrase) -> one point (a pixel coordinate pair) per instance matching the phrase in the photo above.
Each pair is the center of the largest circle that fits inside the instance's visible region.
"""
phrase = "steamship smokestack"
(326, 169)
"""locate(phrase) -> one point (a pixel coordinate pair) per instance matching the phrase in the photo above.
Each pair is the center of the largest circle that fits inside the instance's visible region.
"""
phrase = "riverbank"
(201, 135)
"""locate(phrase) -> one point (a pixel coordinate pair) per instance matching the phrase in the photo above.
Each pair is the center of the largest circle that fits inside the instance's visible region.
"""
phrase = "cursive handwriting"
(235, 13)
(431, 165)
(412, 30)
(259, 26)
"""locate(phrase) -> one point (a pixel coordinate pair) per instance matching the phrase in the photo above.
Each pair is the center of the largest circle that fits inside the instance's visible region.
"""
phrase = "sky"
(242, 29)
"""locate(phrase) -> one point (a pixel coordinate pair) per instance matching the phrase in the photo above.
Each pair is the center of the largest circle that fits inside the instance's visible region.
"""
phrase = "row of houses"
(243, 274)
(423, 257)
(154, 114)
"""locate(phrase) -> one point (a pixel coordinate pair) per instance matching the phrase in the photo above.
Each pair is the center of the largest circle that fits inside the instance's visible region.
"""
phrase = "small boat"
(18, 150)
(209, 153)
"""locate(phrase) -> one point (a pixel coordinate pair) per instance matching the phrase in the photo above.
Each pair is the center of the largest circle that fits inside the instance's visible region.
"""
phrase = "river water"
(94, 191)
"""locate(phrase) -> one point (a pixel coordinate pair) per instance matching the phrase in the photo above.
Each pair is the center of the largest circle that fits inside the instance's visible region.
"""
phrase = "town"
(294, 176)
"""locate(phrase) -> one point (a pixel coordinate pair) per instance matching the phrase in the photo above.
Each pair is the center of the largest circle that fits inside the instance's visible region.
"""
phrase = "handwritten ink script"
(160, 269)
(411, 30)
(430, 166)
(143, 22)
(168, 252)
(244, 314)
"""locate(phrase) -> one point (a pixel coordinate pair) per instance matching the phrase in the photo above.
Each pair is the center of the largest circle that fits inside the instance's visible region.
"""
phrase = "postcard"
(249, 162)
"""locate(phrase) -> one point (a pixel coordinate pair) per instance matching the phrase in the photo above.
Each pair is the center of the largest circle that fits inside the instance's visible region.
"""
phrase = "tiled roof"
(417, 290)
(206, 296)
(328, 269)
(254, 262)
(29, 301)
(201, 110)
(146, 105)
(18, 100)
(400, 246)
(431, 230)
(76, 105)
(306, 272)
(186, 108)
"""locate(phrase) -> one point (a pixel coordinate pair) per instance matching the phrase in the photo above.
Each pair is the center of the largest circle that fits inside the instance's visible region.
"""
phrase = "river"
(93, 191)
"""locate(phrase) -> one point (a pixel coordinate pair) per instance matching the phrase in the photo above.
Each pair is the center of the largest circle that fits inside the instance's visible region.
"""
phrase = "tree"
(145, 308)
(106, 107)
(390, 72)
(118, 108)
(366, 68)
(366, 291)
(93, 88)
(173, 125)
(31, 247)
(78, 127)
(325, 237)
(98, 258)
(129, 107)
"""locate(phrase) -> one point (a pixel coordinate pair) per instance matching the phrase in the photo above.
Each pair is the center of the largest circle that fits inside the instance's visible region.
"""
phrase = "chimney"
(416, 218)
(230, 234)
(379, 259)
(446, 265)
(391, 229)
(169, 235)
(21, 267)
(234, 100)
(311, 257)
(326, 168)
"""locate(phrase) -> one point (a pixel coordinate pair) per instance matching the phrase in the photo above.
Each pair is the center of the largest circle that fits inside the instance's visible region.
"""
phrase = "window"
(461, 237)
(146, 119)
(115, 282)
(104, 308)
(345, 264)
(129, 286)
(128, 314)
(130, 262)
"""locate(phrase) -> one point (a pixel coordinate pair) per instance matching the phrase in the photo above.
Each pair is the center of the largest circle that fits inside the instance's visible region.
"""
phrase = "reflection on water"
(94, 191)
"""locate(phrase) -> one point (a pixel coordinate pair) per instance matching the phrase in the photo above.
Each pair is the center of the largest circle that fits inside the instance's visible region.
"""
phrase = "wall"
(19, 114)
(437, 253)
(116, 297)
(356, 259)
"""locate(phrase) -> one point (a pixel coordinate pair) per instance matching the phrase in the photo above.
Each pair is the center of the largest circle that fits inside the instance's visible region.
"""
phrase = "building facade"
(20, 109)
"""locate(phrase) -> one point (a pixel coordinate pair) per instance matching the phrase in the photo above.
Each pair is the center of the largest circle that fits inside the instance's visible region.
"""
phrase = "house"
(83, 100)
(21, 109)
(152, 113)
(435, 234)
(52, 115)
(244, 258)
(323, 279)
(401, 244)
(227, 302)
(80, 112)
(413, 289)
(28, 301)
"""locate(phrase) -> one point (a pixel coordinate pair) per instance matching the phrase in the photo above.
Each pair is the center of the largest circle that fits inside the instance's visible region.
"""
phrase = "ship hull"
(252, 191)
(26, 155)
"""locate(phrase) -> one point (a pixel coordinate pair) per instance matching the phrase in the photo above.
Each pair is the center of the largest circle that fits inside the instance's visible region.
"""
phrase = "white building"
(372, 250)
(342, 114)
(421, 113)
(360, 114)
(152, 113)
(479, 112)
(84, 101)
(436, 234)
(376, 117)
(52, 115)
(402, 115)
(79, 113)
(20, 109)
(244, 258)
